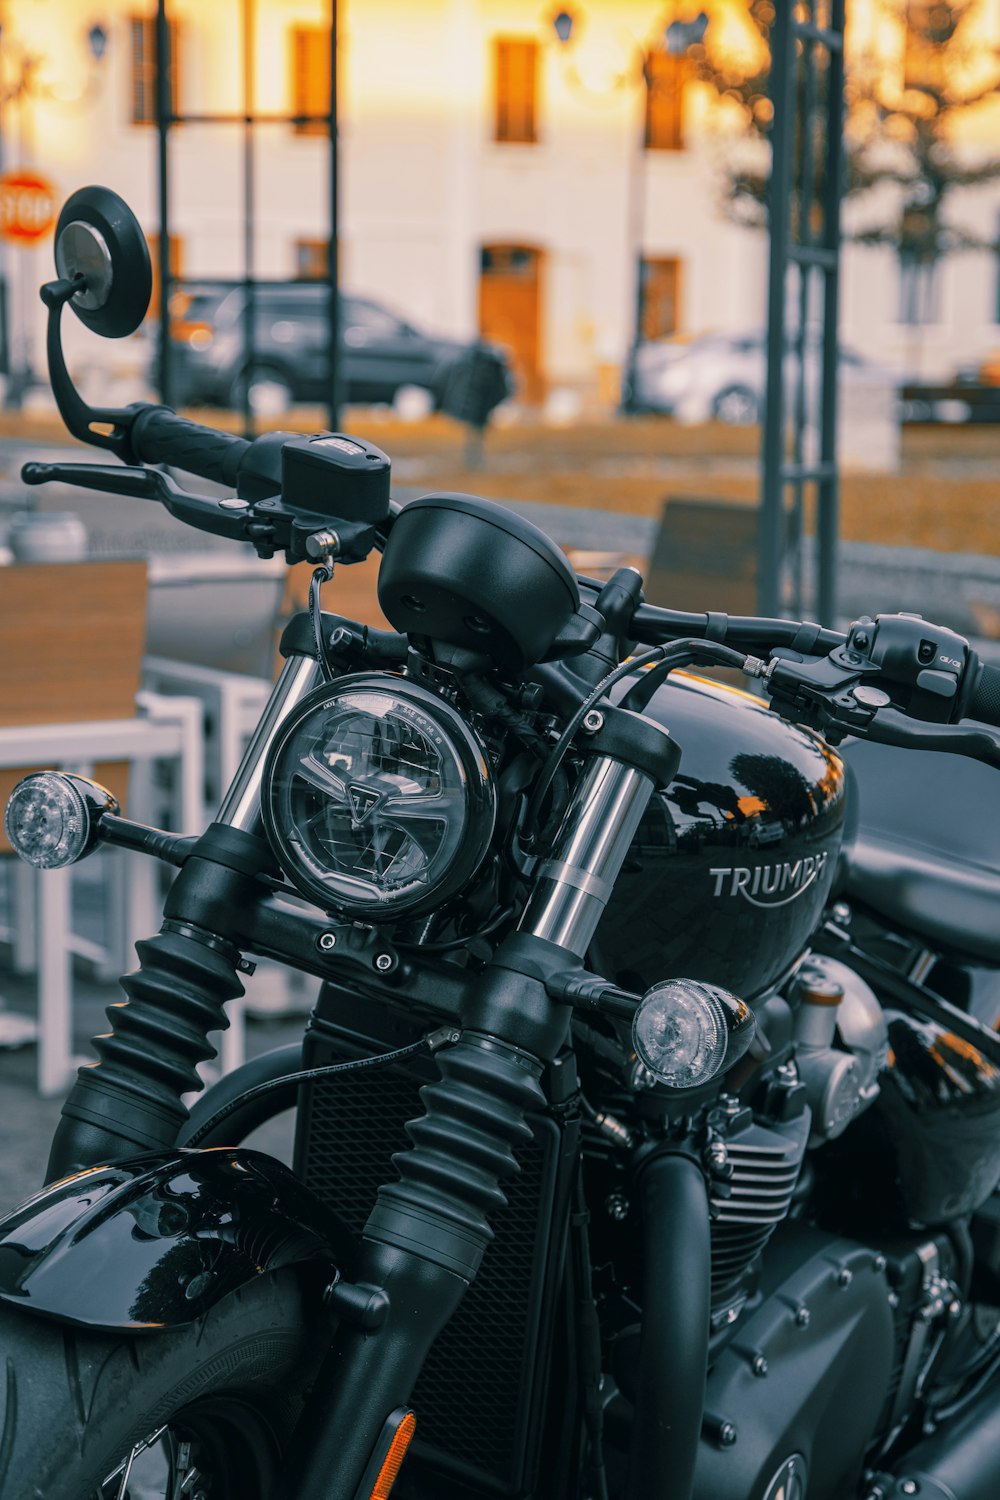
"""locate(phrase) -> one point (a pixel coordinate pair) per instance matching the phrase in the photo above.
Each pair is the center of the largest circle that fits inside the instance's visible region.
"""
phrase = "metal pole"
(828, 506)
(164, 105)
(249, 290)
(636, 213)
(4, 254)
(770, 537)
(334, 256)
(804, 413)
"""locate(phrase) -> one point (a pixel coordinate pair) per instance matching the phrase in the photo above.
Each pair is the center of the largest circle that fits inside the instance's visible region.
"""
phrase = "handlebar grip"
(984, 704)
(160, 436)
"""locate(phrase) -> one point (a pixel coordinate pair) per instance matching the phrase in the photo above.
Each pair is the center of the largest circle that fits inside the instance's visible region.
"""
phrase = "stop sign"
(27, 207)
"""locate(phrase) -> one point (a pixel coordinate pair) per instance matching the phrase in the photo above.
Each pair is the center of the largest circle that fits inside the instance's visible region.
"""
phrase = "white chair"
(71, 639)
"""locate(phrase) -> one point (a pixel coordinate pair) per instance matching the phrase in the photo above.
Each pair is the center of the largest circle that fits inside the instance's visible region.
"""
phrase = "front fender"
(155, 1241)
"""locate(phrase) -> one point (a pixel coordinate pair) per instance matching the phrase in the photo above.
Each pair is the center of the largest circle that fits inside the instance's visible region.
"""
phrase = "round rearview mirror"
(98, 237)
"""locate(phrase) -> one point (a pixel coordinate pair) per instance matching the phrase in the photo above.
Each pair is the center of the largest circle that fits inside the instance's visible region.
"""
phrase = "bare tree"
(905, 164)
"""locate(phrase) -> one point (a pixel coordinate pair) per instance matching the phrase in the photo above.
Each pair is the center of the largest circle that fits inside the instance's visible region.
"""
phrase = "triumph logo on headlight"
(363, 801)
(770, 885)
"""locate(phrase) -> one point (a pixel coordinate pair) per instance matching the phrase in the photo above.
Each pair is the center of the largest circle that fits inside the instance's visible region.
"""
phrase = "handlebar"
(897, 679)
(325, 496)
(159, 436)
(984, 700)
(838, 683)
(654, 626)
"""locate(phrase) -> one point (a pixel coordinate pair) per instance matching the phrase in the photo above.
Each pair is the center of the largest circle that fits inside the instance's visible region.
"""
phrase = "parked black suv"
(381, 355)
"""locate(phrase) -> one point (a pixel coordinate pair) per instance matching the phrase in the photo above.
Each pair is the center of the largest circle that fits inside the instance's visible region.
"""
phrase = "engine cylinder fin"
(765, 1162)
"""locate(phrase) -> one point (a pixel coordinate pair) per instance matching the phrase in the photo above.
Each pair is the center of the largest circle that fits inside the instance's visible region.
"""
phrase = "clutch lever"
(229, 517)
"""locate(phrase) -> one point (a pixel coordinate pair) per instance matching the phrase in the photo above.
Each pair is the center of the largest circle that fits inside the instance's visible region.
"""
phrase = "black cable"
(320, 576)
(305, 1075)
(662, 659)
(638, 696)
(984, 1371)
(449, 944)
(633, 664)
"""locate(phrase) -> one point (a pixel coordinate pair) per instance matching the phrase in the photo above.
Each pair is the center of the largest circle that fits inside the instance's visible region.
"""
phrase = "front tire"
(218, 1398)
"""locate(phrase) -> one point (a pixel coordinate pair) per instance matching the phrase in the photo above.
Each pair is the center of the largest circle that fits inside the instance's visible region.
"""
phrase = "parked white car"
(722, 376)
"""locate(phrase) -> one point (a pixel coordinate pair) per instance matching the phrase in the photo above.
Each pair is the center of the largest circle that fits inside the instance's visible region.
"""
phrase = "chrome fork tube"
(241, 804)
(574, 885)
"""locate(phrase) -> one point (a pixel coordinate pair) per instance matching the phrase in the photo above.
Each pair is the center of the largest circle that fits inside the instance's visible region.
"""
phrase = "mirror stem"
(57, 293)
(77, 415)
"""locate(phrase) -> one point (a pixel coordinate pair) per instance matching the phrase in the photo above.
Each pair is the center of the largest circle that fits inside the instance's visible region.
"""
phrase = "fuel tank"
(733, 863)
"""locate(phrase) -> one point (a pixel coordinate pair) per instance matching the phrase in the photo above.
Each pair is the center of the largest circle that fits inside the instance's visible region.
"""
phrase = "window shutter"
(516, 68)
(665, 77)
(311, 76)
(143, 100)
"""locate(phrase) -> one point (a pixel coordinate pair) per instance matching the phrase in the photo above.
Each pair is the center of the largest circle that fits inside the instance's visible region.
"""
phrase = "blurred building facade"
(493, 176)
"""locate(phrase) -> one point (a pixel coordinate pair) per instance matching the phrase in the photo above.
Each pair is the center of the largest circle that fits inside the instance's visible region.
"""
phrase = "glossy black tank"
(733, 863)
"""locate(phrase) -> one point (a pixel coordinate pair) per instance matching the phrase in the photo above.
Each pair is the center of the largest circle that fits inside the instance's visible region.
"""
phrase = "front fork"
(133, 1100)
(427, 1233)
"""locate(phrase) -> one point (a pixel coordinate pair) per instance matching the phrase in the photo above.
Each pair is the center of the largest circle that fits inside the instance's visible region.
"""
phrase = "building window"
(311, 78)
(312, 260)
(516, 72)
(660, 290)
(143, 103)
(918, 290)
(665, 77)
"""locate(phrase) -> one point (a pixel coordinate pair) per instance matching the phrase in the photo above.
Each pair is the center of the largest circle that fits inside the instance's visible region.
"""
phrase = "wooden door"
(510, 311)
(661, 297)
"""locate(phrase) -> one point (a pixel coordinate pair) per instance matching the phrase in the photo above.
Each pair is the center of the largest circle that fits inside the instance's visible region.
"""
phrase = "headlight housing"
(378, 799)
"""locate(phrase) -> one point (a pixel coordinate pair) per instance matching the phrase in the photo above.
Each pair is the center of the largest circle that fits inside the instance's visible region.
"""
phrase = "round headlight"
(51, 818)
(685, 1032)
(378, 798)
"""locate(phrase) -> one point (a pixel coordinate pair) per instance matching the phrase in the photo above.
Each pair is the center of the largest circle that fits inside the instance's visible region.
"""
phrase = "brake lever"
(891, 727)
(227, 517)
(829, 695)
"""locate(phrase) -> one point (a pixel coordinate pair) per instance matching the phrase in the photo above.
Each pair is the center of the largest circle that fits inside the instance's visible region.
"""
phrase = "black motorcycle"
(628, 1161)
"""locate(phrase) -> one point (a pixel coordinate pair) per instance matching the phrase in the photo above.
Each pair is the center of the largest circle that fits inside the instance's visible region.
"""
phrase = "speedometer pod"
(378, 798)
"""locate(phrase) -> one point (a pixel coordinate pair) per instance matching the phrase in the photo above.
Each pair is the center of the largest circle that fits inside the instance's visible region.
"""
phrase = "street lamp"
(97, 41)
(676, 39)
(562, 22)
(681, 36)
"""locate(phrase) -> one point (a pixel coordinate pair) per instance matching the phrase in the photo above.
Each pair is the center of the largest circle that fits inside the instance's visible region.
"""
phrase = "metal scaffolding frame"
(249, 118)
(800, 444)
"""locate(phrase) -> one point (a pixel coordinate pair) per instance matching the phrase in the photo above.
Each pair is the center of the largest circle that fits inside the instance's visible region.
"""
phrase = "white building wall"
(424, 185)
